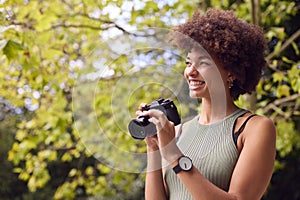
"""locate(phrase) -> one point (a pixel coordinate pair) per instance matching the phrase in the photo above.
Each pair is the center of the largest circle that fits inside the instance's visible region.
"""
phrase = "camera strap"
(179, 132)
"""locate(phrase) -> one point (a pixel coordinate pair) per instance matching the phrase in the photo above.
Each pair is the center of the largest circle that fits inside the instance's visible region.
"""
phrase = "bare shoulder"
(260, 135)
(262, 120)
(259, 130)
(261, 125)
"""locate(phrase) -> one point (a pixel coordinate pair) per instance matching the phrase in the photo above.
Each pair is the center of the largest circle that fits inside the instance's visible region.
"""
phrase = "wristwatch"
(184, 164)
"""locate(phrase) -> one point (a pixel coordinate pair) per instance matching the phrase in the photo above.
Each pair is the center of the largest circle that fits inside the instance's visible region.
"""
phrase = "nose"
(191, 70)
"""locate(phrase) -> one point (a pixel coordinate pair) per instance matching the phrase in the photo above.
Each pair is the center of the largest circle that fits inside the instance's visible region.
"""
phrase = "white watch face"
(185, 163)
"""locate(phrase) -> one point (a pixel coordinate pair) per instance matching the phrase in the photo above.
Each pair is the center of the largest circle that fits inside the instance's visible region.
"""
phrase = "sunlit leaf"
(283, 90)
(12, 48)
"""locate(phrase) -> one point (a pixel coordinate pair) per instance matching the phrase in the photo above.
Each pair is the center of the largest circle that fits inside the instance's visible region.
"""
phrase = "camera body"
(140, 127)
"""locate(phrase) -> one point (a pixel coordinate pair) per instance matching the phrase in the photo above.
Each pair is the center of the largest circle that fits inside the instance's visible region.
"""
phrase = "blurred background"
(73, 73)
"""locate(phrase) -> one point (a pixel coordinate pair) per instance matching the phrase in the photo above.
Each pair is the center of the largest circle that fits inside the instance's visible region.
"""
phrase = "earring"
(230, 83)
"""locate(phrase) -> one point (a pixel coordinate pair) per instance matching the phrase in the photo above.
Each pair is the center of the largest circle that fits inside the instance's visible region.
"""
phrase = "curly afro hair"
(239, 46)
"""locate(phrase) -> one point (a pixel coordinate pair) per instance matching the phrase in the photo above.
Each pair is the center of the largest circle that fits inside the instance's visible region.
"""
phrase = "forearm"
(154, 186)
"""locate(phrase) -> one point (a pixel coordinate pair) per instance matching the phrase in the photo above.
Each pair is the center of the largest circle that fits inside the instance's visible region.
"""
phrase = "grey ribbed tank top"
(212, 150)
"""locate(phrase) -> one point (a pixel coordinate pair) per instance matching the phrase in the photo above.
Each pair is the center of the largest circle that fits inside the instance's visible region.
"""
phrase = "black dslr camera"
(140, 127)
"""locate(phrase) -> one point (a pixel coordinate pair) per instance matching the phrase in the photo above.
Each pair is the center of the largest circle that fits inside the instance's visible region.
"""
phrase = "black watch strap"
(184, 164)
(177, 169)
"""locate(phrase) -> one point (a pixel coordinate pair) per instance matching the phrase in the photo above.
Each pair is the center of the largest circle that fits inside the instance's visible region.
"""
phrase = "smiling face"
(205, 76)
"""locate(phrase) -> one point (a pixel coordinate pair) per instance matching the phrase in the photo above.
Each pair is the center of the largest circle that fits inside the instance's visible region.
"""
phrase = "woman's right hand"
(152, 142)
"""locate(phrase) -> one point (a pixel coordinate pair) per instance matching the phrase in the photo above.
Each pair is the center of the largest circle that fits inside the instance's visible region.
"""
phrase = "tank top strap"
(240, 130)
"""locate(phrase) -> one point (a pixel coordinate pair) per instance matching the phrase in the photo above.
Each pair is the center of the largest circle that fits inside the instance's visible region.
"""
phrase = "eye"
(188, 63)
(203, 63)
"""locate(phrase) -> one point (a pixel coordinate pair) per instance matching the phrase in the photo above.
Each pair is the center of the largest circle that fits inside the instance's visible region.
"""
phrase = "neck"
(212, 112)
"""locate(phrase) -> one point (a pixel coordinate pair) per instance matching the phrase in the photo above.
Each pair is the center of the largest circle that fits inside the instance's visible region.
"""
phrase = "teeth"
(195, 83)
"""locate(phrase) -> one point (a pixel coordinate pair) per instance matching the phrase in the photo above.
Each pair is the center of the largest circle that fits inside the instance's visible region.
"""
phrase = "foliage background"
(47, 46)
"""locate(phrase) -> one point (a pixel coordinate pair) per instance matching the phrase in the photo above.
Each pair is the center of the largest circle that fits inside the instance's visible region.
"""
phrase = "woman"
(225, 152)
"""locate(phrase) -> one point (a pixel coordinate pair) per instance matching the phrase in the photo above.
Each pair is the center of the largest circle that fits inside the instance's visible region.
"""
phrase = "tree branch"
(22, 24)
(112, 25)
(278, 102)
(284, 46)
(78, 26)
(255, 18)
(255, 12)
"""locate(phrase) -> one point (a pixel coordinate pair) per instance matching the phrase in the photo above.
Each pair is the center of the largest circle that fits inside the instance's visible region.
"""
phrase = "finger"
(142, 105)
(157, 114)
(156, 122)
(138, 113)
(154, 113)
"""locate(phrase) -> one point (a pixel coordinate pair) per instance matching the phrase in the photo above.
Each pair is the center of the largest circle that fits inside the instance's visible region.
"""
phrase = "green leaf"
(31, 124)
(286, 137)
(277, 47)
(283, 90)
(286, 60)
(296, 48)
(46, 21)
(27, 145)
(278, 77)
(24, 176)
(89, 171)
(295, 83)
(152, 6)
(48, 154)
(72, 172)
(294, 72)
(66, 157)
(11, 49)
(277, 32)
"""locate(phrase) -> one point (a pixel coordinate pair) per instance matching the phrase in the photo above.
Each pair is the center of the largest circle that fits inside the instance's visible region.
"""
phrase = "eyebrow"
(200, 57)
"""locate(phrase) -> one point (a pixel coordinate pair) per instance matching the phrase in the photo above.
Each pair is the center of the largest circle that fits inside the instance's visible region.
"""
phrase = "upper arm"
(255, 165)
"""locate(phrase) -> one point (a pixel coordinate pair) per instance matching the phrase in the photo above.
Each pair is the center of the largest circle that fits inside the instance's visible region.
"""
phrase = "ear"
(231, 77)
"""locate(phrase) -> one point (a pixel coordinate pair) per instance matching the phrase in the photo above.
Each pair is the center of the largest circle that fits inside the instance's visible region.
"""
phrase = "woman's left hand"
(165, 134)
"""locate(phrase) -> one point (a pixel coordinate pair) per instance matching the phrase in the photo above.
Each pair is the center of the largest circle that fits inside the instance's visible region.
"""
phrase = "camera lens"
(136, 131)
(140, 128)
